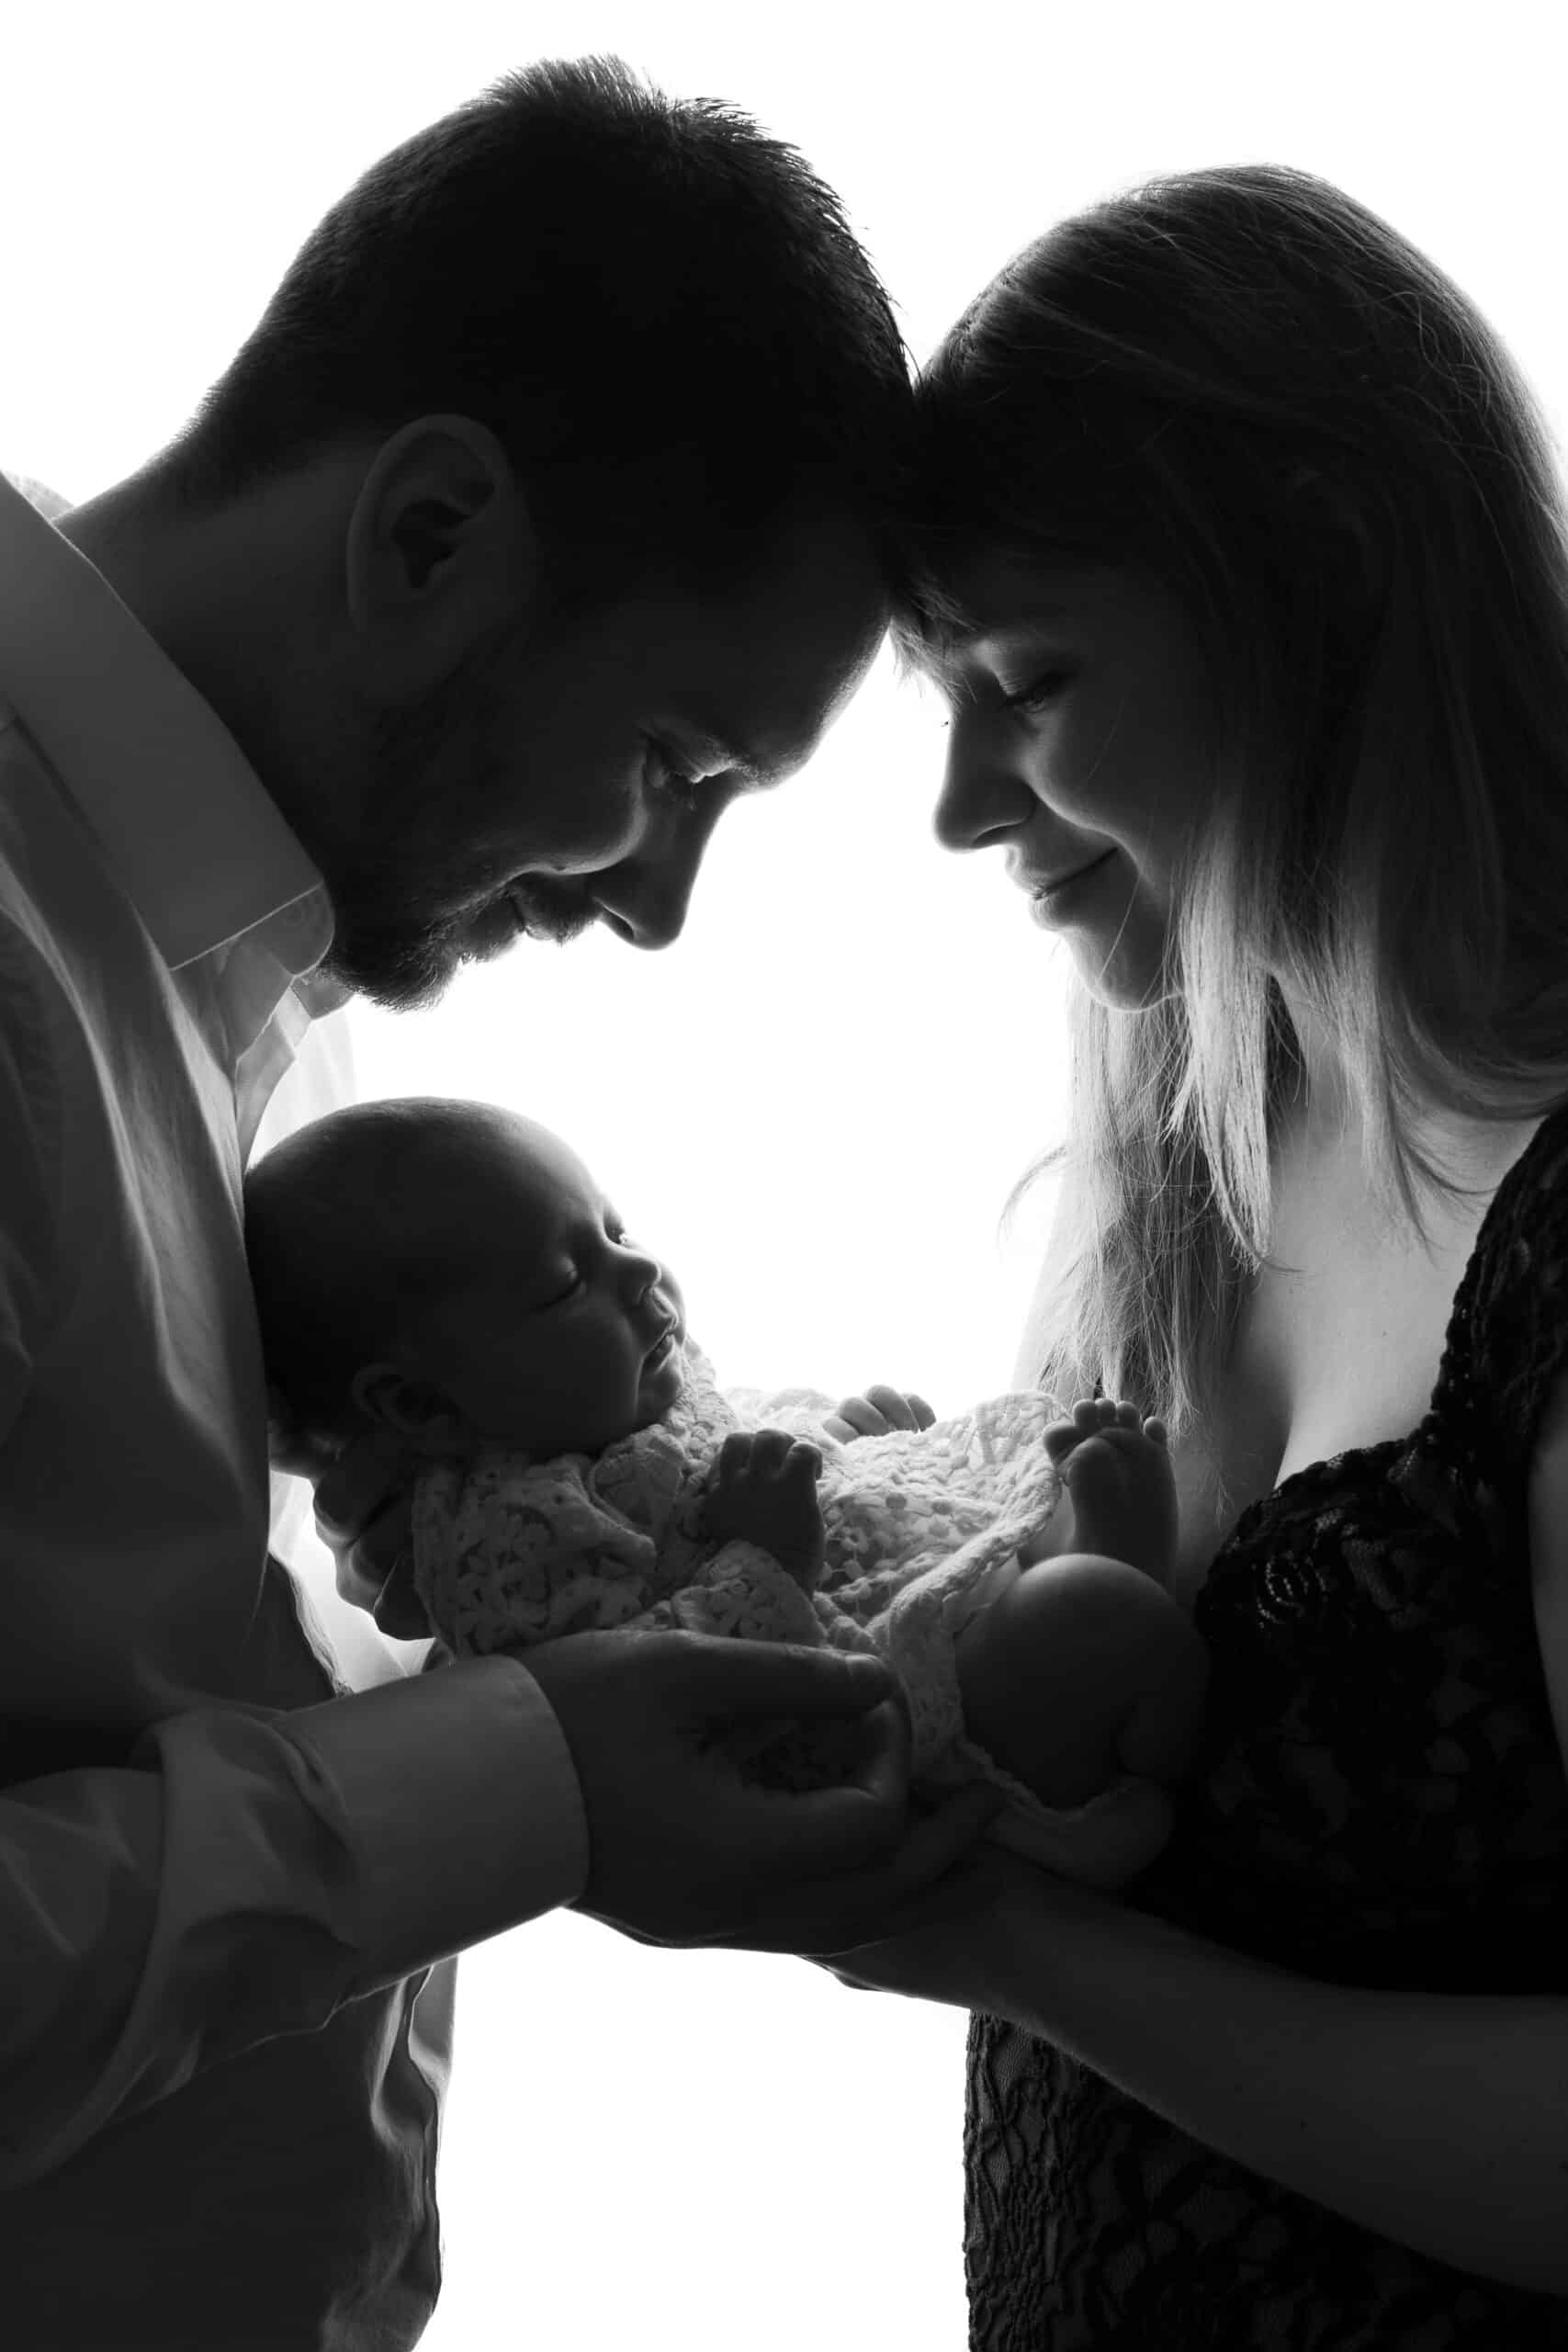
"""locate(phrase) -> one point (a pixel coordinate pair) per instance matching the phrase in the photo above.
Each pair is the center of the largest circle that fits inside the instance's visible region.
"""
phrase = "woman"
(1244, 571)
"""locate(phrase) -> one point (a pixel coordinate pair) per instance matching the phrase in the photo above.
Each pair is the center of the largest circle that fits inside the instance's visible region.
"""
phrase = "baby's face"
(559, 1334)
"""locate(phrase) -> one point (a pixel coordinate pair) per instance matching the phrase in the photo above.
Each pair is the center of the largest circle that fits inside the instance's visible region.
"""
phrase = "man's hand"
(762, 1490)
(290, 1448)
(879, 1411)
(684, 1852)
(363, 1503)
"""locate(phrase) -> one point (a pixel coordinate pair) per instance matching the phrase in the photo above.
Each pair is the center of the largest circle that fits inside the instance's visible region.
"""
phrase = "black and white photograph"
(784, 1178)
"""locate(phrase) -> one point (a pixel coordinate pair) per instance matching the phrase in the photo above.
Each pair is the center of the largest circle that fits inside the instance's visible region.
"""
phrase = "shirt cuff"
(459, 1798)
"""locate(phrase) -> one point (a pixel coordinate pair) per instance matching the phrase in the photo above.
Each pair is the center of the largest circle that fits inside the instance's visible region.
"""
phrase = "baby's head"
(453, 1273)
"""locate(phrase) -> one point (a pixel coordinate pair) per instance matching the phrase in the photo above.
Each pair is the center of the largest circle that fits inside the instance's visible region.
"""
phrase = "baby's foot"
(1116, 1469)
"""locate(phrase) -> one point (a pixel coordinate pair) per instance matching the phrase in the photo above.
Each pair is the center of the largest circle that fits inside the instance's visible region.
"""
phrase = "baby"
(453, 1273)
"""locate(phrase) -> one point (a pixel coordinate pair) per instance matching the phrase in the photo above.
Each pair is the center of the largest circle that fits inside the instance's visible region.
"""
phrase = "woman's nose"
(981, 799)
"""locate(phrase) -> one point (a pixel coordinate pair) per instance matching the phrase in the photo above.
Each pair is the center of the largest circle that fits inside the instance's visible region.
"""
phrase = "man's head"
(453, 1273)
(567, 464)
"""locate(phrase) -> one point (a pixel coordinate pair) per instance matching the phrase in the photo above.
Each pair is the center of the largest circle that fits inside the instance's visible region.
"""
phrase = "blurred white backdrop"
(815, 1104)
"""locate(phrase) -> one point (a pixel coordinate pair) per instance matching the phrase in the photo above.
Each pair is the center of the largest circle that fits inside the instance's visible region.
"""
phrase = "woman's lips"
(1047, 905)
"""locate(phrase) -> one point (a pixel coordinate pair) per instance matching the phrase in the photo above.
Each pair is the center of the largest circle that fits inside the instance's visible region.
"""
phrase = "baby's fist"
(764, 1491)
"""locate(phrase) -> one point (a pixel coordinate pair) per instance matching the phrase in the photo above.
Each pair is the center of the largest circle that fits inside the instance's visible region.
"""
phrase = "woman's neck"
(1320, 1104)
(1321, 1127)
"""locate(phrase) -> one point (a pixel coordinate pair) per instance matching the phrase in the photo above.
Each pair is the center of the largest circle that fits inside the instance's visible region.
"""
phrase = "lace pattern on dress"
(1380, 1800)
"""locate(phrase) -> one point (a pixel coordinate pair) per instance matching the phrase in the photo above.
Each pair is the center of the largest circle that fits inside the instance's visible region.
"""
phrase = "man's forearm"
(1440, 2120)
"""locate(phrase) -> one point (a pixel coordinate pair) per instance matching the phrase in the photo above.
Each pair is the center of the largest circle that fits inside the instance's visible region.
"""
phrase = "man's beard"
(405, 962)
(388, 944)
(404, 965)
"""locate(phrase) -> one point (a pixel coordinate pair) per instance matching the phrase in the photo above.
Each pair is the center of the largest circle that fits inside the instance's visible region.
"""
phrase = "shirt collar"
(190, 829)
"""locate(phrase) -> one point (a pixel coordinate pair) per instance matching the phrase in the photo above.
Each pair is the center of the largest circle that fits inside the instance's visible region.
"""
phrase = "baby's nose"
(644, 1273)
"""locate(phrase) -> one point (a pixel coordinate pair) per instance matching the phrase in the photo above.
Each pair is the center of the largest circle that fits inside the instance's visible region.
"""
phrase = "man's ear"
(441, 558)
(420, 1416)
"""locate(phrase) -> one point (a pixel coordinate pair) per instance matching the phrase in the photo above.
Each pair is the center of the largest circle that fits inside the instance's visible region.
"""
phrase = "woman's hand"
(961, 1959)
(999, 1892)
(879, 1411)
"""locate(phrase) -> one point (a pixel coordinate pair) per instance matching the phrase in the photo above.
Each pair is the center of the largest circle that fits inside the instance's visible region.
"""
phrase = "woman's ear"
(419, 1415)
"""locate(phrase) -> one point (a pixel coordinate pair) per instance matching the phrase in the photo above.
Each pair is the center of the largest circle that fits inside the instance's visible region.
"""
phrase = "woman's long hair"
(1242, 382)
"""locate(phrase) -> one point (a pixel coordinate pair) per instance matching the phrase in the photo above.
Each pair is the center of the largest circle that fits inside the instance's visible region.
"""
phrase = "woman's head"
(1081, 746)
(1302, 524)
(454, 1273)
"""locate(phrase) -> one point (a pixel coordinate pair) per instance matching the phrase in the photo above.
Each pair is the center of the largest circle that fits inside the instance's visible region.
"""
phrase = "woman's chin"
(1121, 980)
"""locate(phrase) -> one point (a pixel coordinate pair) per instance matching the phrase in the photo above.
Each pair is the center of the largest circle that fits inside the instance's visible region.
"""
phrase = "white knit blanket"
(510, 1551)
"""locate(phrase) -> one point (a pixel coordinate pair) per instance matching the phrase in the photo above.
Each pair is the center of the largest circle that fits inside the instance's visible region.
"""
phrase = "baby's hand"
(764, 1491)
(879, 1411)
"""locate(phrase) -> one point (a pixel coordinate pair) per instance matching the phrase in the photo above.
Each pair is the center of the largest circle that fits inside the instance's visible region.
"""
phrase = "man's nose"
(982, 798)
(646, 899)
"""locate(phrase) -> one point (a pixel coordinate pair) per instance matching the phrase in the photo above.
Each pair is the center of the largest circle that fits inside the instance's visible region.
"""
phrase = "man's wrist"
(457, 1798)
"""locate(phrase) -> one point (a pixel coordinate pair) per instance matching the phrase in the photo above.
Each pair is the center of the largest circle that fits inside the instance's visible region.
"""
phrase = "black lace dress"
(1379, 1801)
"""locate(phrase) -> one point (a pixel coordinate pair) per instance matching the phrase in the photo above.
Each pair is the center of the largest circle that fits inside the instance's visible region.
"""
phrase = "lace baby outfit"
(1379, 1801)
(508, 1551)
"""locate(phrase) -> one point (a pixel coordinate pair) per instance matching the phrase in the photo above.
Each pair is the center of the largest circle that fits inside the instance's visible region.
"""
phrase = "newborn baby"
(453, 1273)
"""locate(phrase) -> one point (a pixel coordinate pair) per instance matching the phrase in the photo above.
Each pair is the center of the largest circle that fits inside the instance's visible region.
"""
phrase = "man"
(549, 507)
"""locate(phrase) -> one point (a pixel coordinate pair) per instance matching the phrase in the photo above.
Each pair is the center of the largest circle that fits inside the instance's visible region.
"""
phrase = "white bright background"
(816, 1104)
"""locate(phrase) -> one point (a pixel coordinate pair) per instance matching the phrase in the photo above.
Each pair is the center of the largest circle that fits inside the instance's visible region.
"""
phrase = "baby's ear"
(419, 1415)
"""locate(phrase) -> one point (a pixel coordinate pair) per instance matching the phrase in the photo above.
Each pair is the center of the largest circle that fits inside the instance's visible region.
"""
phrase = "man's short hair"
(658, 309)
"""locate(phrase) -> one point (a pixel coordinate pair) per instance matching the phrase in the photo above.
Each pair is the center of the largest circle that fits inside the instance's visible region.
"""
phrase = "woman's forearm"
(1440, 2120)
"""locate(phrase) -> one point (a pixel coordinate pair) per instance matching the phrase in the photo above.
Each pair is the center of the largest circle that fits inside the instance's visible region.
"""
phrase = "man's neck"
(219, 592)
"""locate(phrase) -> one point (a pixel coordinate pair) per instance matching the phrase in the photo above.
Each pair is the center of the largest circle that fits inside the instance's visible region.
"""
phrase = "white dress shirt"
(224, 1877)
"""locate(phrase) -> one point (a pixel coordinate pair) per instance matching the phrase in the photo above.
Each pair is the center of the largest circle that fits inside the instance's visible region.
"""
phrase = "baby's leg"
(1079, 1670)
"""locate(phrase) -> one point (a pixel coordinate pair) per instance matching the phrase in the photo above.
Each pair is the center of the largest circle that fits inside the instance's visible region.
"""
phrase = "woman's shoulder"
(1508, 1337)
(1521, 1244)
